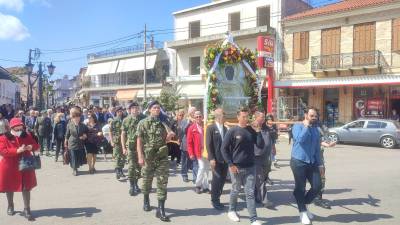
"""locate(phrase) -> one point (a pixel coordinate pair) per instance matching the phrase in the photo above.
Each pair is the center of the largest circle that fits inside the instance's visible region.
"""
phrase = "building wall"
(214, 20)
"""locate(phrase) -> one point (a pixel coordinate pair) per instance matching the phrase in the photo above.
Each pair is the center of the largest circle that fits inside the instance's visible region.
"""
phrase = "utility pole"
(145, 67)
(40, 87)
(29, 90)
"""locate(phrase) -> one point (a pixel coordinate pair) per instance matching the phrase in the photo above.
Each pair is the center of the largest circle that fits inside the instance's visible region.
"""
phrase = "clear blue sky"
(61, 24)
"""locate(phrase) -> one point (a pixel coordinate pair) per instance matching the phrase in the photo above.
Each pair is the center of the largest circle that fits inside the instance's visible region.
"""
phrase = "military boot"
(117, 174)
(121, 172)
(146, 203)
(132, 189)
(161, 211)
(136, 188)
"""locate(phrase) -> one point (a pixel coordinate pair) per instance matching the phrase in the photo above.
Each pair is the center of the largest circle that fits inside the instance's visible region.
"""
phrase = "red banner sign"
(265, 48)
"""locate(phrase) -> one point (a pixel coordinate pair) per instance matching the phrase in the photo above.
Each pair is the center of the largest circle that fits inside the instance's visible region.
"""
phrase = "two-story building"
(344, 59)
(62, 90)
(116, 76)
(9, 90)
(197, 27)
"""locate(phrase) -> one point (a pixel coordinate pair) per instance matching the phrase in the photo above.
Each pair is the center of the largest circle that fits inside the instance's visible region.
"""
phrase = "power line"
(93, 46)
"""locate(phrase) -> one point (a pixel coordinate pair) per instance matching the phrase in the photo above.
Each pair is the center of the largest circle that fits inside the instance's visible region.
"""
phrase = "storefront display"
(366, 104)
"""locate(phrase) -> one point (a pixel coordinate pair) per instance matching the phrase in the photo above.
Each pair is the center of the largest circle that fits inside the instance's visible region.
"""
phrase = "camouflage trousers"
(119, 156)
(323, 178)
(133, 165)
(156, 164)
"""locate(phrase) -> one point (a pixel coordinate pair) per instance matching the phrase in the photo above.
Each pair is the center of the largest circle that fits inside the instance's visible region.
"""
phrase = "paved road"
(363, 185)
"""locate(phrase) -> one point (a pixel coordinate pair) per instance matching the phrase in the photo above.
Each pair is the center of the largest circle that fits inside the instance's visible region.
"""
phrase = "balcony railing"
(348, 61)
(123, 51)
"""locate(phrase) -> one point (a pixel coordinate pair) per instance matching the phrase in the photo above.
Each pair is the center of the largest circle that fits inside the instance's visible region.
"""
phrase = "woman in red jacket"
(195, 146)
(14, 145)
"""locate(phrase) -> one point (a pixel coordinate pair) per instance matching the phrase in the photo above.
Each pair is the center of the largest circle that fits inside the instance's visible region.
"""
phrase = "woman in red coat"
(14, 145)
(195, 146)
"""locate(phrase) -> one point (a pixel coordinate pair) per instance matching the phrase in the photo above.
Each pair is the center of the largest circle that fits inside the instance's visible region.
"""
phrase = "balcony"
(348, 62)
(124, 51)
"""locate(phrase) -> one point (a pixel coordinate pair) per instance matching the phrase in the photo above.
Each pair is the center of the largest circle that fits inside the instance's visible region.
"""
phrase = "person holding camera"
(16, 144)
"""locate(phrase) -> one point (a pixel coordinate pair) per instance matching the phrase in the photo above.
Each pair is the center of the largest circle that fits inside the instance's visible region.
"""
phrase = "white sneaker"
(304, 218)
(256, 223)
(309, 214)
(232, 215)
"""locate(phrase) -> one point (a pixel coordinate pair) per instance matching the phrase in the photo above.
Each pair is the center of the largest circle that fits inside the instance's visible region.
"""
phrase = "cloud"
(11, 28)
(17, 5)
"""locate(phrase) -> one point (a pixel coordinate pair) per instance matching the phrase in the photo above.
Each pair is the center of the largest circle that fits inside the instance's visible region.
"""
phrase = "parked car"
(368, 131)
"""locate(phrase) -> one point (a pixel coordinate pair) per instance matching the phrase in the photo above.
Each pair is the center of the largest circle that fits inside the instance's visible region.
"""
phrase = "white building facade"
(9, 90)
(207, 24)
(62, 90)
(116, 77)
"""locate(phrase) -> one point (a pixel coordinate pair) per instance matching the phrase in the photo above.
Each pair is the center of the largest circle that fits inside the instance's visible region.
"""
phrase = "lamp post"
(50, 69)
(29, 69)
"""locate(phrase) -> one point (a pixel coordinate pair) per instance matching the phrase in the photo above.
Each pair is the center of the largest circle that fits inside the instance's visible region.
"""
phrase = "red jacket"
(11, 179)
(194, 139)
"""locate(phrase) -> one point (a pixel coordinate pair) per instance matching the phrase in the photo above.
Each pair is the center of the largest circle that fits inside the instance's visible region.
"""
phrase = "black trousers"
(218, 181)
(302, 172)
(59, 146)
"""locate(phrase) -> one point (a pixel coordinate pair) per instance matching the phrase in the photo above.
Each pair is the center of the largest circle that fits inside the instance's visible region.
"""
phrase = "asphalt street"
(363, 185)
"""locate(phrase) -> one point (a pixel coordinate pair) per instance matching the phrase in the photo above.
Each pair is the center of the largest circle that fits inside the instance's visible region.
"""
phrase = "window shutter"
(396, 35)
(306, 45)
(296, 46)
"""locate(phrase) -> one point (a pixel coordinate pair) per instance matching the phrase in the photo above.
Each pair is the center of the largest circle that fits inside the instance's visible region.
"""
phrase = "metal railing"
(123, 51)
(348, 60)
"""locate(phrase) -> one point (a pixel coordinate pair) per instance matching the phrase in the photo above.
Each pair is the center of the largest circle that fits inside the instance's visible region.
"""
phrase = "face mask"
(16, 133)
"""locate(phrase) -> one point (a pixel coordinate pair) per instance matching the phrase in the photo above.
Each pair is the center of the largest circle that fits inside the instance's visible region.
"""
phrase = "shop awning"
(126, 94)
(149, 92)
(340, 81)
(136, 64)
(102, 68)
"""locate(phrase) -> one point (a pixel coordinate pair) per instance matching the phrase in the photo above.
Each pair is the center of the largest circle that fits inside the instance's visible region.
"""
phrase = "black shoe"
(207, 191)
(146, 203)
(134, 188)
(28, 215)
(75, 172)
(198, 190)
(161, 211)
(10, 210)
(218, 205)
(185, 179)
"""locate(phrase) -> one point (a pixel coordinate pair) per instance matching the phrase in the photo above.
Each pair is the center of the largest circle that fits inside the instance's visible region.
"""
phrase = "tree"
(169, 97)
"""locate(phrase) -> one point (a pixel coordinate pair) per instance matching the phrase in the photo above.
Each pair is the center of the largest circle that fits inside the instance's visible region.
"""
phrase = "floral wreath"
(230, 54)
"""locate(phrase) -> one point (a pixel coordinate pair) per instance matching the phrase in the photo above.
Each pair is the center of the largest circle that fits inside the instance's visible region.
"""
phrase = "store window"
(367, 103)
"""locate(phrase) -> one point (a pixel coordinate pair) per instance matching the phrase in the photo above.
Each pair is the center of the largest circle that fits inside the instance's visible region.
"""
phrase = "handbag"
(31, 162)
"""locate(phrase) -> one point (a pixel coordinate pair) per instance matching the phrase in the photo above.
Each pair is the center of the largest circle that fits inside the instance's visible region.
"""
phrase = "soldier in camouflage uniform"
(325, 143)
(115, 133)
(128, 139)
(152, 137)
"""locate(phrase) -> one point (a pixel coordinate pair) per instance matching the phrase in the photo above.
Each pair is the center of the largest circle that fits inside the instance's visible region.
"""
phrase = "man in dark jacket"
(43, 130)
(238, 151)
(30, 121)
(262, 160)
(214, 135)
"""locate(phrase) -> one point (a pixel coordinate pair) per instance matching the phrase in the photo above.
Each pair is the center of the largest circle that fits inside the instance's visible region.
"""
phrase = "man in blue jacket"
(306, 162)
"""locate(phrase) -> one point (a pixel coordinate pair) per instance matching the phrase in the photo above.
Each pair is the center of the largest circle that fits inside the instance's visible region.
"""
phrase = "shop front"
(341, 99)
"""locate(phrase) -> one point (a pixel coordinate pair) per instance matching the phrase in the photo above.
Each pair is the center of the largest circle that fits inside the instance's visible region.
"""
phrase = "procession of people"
(146, 139)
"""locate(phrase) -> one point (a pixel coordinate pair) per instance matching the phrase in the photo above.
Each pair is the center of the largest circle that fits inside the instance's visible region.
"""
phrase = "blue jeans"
(195, 169)
(247, 178)
(184, 164)
(302, 172)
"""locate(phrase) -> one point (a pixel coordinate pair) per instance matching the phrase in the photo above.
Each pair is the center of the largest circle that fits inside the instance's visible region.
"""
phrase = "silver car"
(368, 131)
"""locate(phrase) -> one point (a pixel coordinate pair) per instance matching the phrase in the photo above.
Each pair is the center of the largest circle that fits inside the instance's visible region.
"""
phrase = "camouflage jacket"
(152, 132)
(129, 125)
(115, 130)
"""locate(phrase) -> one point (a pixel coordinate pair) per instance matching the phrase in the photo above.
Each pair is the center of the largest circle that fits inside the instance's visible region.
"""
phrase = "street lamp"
(51, 68)
(29, 67)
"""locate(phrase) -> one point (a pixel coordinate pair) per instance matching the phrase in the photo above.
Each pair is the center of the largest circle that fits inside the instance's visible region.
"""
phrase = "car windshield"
(356, 124)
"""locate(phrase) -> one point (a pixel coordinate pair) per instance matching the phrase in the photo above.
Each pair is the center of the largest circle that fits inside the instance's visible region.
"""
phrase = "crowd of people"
(147, 140)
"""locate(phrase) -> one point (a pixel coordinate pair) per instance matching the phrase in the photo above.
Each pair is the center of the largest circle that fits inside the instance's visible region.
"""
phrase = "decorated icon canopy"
(231, 78)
